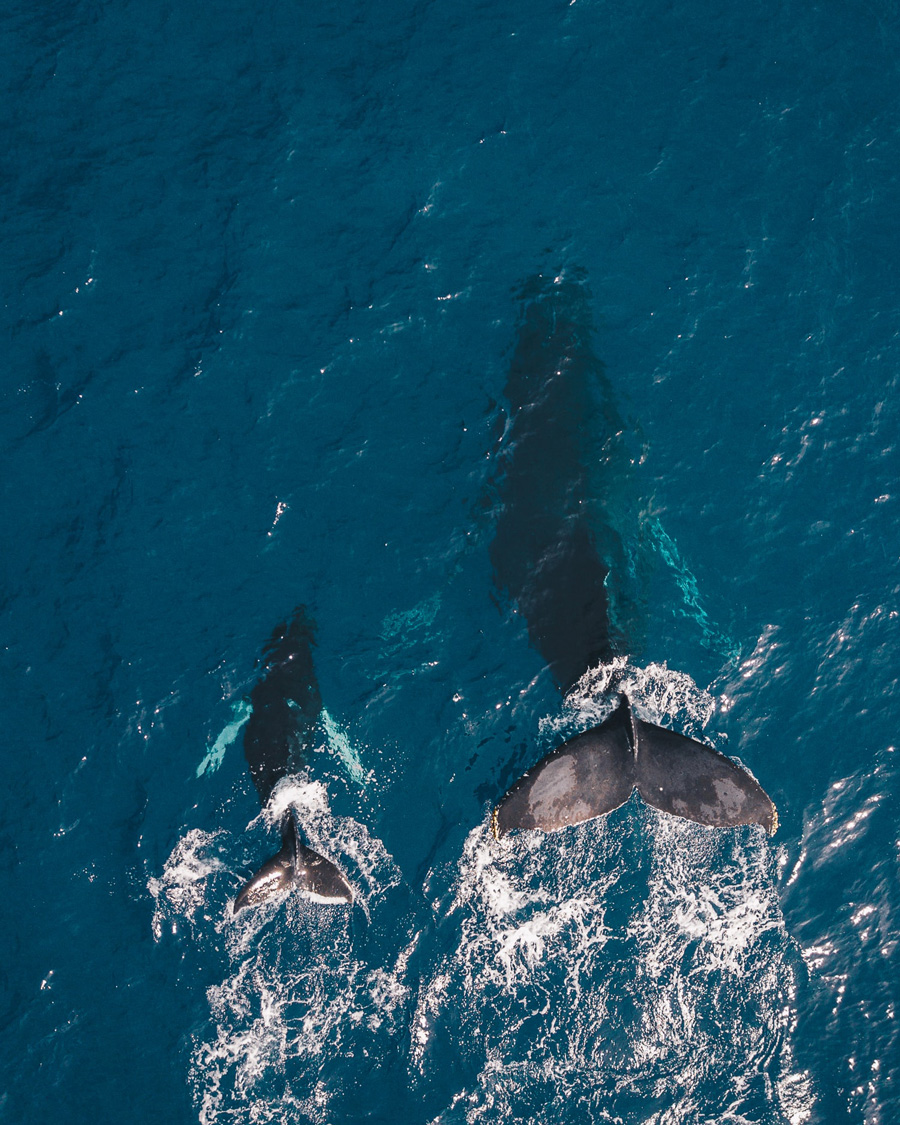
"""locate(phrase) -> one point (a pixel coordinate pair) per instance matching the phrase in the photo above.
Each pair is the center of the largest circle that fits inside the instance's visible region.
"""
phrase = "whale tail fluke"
(686, 778)
(295, 867)
(596, 771)
(587, 776)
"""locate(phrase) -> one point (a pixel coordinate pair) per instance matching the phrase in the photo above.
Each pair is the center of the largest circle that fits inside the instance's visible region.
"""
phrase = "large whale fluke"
(596, 771)
(587, 776)
(294, 867)
(686, 778)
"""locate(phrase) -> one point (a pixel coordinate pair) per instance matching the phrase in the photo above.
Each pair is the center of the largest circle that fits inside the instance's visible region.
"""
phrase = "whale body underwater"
(286, 705)
(559, 560)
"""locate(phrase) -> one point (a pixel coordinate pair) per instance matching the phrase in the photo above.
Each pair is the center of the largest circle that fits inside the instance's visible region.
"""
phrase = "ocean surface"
(260, 266)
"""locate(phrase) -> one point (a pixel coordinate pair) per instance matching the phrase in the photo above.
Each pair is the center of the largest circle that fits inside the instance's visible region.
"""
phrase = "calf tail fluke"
(596, 771)
(294, 867)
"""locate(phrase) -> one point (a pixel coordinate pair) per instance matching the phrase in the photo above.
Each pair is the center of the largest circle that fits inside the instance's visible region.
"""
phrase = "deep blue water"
(259, 265)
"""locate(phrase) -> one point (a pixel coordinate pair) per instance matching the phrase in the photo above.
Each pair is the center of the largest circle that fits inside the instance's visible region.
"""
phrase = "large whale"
(555, 554)
(286, 706)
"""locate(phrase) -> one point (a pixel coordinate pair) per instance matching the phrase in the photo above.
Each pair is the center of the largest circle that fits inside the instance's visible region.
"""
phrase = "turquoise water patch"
(241, 712)
(336, 740)
(692, 606)
(339, 744)
(398, 626)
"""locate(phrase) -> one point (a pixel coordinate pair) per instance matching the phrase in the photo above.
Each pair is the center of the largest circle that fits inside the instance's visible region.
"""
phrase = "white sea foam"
(506, 921)
(656, 690)
(299, 1006)
(629, 968)
(179, 893)
(284, 1009)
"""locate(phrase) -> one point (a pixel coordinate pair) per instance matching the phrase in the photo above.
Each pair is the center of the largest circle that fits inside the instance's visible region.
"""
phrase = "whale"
(285, 708)
(560, 561)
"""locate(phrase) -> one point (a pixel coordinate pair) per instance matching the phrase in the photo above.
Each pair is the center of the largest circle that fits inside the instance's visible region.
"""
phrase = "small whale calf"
(286, 708)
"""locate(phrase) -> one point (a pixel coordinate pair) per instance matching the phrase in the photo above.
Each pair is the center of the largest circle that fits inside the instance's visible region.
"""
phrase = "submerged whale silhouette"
(556, 553)
(286, 707)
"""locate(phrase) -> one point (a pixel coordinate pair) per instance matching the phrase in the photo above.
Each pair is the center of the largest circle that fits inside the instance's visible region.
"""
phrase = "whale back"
(555, 546)
(286, 704)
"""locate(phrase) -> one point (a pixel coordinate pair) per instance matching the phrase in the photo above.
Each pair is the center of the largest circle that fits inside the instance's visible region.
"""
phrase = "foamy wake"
(628, 969)
(659, 693)
(615, 971)
(631, 968)
(180, 894)
(291, 1019)
(297, 993)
